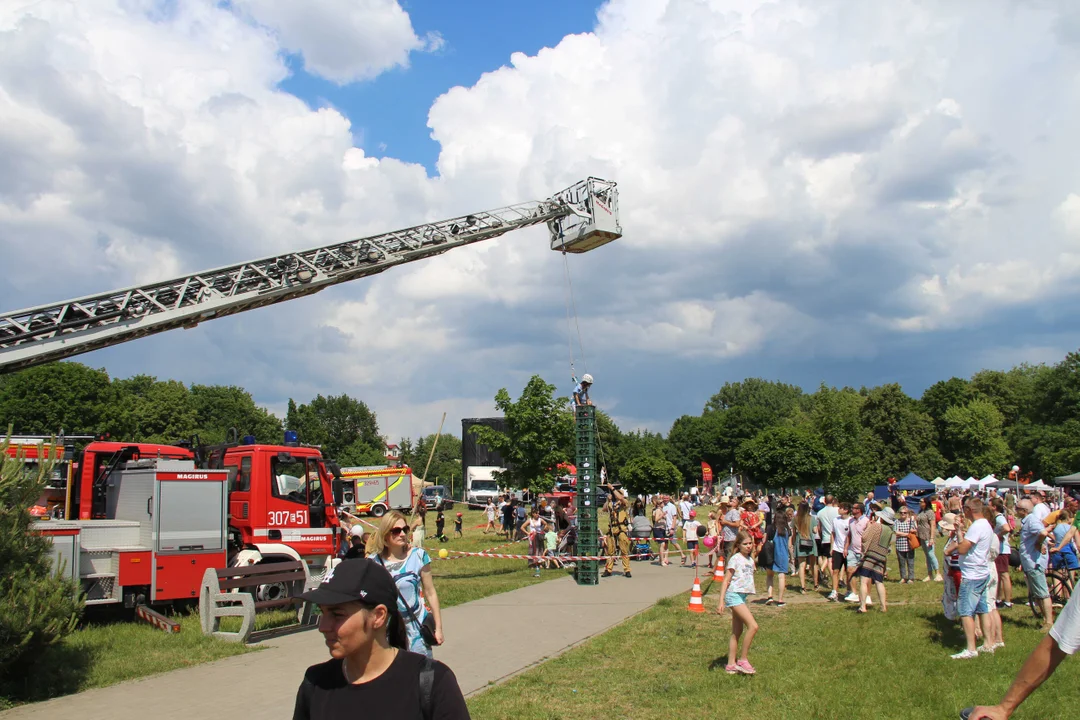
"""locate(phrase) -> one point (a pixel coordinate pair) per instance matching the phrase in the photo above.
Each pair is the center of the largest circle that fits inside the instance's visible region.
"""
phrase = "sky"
(810, 190)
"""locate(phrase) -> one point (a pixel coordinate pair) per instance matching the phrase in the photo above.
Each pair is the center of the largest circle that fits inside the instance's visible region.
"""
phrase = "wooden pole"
(432, 453)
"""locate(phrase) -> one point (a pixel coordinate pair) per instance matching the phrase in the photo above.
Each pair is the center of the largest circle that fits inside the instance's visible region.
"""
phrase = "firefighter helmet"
(586, 378)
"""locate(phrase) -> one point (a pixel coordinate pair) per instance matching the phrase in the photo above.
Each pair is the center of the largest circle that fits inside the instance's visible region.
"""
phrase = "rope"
(571, 303)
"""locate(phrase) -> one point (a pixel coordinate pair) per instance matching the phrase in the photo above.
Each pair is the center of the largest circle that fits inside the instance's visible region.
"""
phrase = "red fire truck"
(145, 521)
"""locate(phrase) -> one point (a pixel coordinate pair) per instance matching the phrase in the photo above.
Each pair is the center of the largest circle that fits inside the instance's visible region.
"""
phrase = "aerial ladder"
(580, 218)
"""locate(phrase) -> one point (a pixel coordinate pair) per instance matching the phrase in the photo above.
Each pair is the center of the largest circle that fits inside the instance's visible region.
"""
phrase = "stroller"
(567, 546)
(640, 538)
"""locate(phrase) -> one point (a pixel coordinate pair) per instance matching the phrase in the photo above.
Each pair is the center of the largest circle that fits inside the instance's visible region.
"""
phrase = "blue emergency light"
(248, 440)
(291, 437)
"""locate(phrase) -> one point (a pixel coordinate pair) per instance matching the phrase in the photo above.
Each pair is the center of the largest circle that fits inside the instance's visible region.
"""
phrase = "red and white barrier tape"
(561, 558)
(497, 547)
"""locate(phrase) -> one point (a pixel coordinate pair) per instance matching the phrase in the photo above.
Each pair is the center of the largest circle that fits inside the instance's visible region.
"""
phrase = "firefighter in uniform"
(618, 536)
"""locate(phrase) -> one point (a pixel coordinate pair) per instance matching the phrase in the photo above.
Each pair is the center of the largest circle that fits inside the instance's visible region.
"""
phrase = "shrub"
(37, 608)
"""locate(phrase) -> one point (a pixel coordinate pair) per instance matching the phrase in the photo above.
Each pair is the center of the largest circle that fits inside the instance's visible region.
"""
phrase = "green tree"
(776, 399)
(37, 607)
(973, 432)
(539, 428)
(1056, 392)
(154, 411)
(834, 416)
(221, 407)
(1011, 392)
(445, 463)
(336, 423)
(646, 474)
(1047, 450)
(784, 456)
(695, 438)
(902, 437)
(360, 454)
(943, 395)
(60, 396)
(715, 437)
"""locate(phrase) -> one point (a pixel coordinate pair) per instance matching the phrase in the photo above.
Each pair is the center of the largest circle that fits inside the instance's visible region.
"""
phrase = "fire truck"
(145, 521)
(376, 490)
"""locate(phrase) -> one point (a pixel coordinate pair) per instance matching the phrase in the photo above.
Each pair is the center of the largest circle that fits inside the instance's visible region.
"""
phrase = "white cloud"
(1068, 212)
(342, 40)
(717, 328)
(799, 178)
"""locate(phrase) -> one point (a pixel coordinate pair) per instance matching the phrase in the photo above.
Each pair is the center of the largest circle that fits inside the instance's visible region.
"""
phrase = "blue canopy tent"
(912, 482)
(917, 489)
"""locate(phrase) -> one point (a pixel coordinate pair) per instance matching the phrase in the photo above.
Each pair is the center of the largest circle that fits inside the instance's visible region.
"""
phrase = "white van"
(480, 486)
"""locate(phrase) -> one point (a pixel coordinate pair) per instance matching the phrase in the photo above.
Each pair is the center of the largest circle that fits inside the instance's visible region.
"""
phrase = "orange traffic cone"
(697, 605)
(718, 573)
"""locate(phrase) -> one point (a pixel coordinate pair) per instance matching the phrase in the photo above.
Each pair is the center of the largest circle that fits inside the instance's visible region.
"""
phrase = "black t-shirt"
(325, 695)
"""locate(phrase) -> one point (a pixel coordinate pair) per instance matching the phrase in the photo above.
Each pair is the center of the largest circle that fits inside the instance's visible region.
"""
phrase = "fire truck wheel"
(378, 510)
(271, 591)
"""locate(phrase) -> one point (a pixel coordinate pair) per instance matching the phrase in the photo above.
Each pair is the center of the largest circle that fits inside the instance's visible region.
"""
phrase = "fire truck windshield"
(291, 478)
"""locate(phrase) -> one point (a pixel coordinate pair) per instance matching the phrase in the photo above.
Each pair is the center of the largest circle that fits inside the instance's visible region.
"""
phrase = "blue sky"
(389, 113)
(854, 193)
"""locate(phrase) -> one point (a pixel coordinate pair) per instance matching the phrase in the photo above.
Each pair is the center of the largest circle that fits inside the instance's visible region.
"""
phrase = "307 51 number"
(281, 518)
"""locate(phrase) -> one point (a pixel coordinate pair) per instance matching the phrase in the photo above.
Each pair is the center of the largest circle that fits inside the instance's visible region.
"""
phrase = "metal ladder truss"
(52, 332)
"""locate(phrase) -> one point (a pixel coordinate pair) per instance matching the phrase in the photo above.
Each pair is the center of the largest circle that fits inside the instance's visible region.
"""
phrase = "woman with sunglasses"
(411, 569)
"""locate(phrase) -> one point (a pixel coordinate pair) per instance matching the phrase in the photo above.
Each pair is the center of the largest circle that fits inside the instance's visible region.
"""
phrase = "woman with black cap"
(369, 673)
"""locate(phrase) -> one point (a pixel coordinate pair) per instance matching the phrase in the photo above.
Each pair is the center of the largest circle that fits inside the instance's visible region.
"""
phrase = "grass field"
(109, 648)
(814, 659)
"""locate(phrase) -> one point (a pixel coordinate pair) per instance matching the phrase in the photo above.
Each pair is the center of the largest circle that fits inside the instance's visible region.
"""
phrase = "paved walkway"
(264, 684)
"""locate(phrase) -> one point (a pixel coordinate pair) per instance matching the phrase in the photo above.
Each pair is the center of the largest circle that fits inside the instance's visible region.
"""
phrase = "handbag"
(768, 551)
(913, 541)
(427, 628)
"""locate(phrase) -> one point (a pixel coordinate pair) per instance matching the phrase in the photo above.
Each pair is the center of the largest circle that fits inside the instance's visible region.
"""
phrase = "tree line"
(773, 433)
(842, 439)
(75, 399)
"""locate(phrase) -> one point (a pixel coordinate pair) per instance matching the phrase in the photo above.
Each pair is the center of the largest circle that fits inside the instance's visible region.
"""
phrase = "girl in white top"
(490, 510)
(738, 584)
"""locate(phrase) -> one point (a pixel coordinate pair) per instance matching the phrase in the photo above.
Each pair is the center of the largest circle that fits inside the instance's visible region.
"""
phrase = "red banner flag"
(706, 473)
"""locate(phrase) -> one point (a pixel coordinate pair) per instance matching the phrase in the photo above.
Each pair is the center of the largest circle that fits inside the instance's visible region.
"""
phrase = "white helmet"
(586, 378)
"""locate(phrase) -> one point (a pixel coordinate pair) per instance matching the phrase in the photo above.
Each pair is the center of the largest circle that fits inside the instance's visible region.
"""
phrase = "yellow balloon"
(443, 554)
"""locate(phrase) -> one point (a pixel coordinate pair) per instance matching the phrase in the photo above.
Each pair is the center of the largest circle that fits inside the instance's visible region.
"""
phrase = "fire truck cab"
(281, 503)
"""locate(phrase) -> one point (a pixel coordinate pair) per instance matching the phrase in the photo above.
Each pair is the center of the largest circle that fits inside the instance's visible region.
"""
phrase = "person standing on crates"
(581, 391)
(618, 531)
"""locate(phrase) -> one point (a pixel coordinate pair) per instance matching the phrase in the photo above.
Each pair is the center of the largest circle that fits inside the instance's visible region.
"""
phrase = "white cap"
(356, 530)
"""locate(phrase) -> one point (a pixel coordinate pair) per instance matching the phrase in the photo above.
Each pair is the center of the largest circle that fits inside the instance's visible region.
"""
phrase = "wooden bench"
(231, 592)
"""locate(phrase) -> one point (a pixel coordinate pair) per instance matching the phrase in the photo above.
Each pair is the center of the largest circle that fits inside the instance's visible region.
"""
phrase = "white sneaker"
(988, 649)
(851, 597)
(965, 655)
(832, 596)
(997, 645)
(869, 600)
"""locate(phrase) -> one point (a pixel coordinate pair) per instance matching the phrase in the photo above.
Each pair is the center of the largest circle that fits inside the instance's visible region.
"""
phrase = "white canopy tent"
(938, 482)
(1038, 485)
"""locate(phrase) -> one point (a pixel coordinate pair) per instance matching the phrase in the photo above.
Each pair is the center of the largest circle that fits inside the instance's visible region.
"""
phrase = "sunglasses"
(398, 530)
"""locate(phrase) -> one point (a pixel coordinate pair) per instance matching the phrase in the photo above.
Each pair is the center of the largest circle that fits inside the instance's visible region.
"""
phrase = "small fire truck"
(145, 521)
(376, 490)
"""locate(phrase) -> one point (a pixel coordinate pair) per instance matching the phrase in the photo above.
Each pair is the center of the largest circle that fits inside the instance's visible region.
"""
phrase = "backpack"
(768, 550)
(427, 683)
